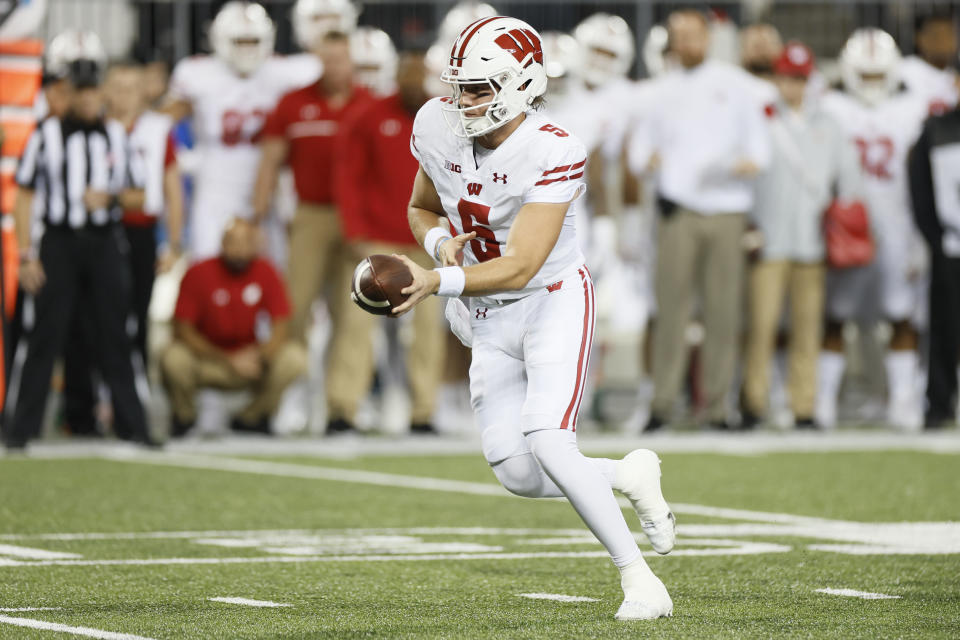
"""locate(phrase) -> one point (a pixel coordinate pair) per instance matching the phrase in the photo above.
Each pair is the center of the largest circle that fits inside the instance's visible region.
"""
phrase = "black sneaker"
(423, 429)
(655, 423)
(260, 426)
(15, 445)
(339, 425)
(806, 424)
(936, 422)
(179, 428)
(749, 421)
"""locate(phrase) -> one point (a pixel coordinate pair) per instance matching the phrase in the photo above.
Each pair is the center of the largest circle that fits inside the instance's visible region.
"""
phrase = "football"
(377, 282)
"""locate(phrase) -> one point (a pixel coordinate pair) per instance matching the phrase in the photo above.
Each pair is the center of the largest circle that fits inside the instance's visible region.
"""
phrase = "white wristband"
(433, 238)
(452, 281)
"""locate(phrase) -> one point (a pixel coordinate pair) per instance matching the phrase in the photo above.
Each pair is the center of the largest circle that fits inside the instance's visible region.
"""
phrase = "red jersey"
(308, 123)
(376, 173)
(224, 305)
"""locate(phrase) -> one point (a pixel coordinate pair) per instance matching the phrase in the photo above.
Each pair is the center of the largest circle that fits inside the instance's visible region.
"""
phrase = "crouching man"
(230, 332)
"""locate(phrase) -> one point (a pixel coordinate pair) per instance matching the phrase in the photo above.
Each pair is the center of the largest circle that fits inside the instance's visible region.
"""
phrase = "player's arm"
(428, 222)
(177, 108)
(273, 153)
(532, 237)
(173, 196)
(32, 276)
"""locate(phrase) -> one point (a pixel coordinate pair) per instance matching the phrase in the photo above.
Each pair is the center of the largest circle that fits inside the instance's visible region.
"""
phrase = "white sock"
(830, 369)
(587, 489)
(903, 369)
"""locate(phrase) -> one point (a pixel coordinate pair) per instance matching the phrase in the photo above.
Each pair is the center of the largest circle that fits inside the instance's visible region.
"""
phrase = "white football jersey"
(229, 111)
(883, 136)
(938, 88)
(538, 162)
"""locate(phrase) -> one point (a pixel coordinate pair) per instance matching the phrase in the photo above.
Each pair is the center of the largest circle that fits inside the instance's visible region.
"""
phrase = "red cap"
(796, 59)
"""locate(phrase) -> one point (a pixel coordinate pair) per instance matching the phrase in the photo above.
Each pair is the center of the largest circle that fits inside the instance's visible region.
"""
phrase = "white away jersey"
(539, 162)
(883, 136)
(228, 114)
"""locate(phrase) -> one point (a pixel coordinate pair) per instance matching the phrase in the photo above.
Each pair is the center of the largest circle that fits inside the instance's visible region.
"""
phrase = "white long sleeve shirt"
(703, 122)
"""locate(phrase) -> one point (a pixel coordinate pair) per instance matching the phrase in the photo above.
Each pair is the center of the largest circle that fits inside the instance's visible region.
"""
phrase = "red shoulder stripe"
(566, 167)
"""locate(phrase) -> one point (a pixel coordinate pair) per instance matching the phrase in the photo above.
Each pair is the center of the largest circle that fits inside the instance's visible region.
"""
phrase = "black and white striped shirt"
(66, 157)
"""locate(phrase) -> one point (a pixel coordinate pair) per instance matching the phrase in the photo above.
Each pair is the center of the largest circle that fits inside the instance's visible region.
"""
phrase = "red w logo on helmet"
(521, 43)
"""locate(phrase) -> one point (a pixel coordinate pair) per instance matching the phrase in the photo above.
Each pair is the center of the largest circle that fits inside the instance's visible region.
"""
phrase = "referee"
(82, 161)
(934, 169)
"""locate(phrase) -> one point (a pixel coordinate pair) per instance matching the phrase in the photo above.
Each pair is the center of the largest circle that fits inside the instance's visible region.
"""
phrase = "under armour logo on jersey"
(482, 312)
(522, 43)
(498, 178)
(474, 188)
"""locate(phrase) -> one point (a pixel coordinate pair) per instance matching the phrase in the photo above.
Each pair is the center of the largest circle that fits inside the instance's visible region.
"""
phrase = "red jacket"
(375, 174)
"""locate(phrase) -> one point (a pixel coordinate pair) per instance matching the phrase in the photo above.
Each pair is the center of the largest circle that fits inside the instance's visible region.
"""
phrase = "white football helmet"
(242, 35)
(561, 55)
(436, 61)
(71, 46)
(313, 18)
(375, 60)
(504, 53)
(655, 56)
(868, 65)
(608, 48)
(460, 16)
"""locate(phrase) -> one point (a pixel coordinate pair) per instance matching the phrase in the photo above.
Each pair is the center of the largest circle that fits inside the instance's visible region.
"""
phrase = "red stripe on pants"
(573, 407)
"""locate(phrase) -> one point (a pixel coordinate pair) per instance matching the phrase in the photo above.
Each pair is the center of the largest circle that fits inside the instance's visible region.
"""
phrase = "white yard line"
(34, 554)
(22, 609)
(558, 597)
(679, 442)
(30, 623)
(394, 480)
(853, 593)
(250, 603)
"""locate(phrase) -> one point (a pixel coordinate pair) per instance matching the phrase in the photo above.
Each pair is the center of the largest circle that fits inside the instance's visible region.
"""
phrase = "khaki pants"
(322, 263)
(769, 283)
(184, 373)
(698, 254)
(425, 358)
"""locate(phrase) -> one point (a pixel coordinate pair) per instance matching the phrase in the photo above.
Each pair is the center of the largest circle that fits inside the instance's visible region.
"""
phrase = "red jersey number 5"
(472, 214)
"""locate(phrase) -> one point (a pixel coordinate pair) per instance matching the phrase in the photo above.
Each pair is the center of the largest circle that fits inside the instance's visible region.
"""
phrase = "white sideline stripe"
(20, 609)
(63, 628)
(34, 554)
(291, 470)
(559, 597)
(250, 603)
(866, 595)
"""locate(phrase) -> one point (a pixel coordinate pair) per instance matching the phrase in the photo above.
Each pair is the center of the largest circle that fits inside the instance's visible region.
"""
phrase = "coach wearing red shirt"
(302, 131)
(219, 312)
(374, 179)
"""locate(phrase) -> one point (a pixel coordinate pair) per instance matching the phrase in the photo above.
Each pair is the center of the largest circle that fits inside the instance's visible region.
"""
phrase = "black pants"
(85, 269)
(80, 383)
(944, 337)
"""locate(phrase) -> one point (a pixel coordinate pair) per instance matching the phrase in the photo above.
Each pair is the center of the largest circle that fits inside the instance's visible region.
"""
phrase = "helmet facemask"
(510, 98)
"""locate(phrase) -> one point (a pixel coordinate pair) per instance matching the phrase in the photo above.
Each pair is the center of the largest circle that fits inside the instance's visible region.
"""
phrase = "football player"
(229, 95)
(313, 18)
(508, 180)
(883, 124)
(375, 60)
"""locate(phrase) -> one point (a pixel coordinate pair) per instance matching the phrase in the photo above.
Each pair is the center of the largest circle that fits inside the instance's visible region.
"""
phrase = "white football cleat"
(638, 478)
(644, 596)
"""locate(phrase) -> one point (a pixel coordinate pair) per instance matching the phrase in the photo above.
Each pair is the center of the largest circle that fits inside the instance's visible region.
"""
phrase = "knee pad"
(522, 475)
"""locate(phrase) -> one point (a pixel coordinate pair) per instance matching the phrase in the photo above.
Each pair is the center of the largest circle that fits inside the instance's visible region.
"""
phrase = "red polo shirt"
(310, 125)
(224, 305)
(376, 171)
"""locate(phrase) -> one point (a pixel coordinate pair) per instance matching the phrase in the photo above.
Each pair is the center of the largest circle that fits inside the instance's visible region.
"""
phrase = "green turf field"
(429, 546)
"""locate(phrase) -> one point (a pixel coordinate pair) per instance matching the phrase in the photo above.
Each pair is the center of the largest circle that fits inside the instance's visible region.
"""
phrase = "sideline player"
(883, 123)
(508, 180)
(229, 96)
